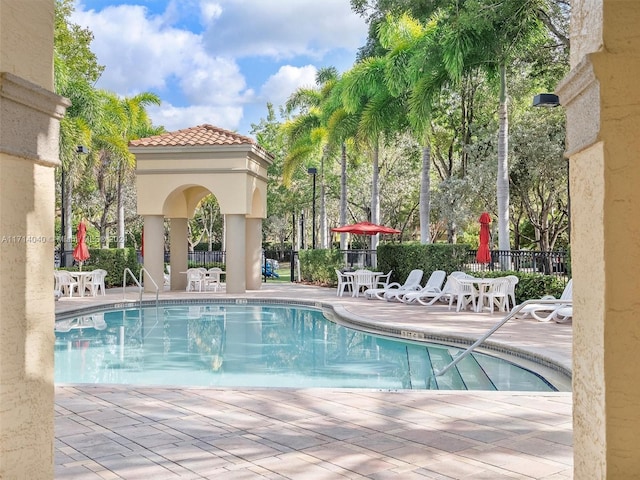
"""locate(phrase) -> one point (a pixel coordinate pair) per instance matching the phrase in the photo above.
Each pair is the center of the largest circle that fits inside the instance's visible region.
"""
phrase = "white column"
(179, 246)
(254, 253)
(236, 250)
(153, 252)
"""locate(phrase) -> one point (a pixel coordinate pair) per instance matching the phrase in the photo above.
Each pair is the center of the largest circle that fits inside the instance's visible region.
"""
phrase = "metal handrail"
(517, 309)
(124, 284)
(142, 270)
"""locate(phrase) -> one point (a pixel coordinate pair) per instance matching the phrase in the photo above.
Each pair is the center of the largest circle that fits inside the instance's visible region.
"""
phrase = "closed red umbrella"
(484, 254)
(81, 252)
(365, 228)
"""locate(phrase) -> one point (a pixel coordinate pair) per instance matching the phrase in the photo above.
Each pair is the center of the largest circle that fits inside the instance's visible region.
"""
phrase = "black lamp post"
(313, 171)
(552, 100)
(81, 150)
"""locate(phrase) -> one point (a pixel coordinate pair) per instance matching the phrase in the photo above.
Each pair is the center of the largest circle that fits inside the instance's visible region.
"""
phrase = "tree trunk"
(324, 234)
(120, 241)
(502, 183)
(425, 195)
(343, 196)
(375, 194)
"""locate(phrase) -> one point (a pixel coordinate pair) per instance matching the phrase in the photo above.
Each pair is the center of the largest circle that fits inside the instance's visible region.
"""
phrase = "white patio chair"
(195, 279)
(66, 283)
(412, 283)
(213, 278)
(513, 281)
(463, 294)
(544, 312)
(432, 288)
(383, 279)
(345, 282)
(95, 283)
(362, 279)
(498, 294)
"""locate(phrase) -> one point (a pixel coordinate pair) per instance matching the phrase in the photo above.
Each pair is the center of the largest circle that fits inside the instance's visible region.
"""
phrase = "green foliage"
(318, 266)
(404, 257)
(114, 261)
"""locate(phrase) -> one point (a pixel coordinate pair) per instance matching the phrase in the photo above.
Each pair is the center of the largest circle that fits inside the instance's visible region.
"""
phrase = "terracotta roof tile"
(194, 136)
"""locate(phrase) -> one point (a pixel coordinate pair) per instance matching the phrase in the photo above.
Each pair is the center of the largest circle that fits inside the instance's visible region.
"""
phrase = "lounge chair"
(412, 283)
(432, 288)
(545, 312)
(427, 298)
(563, 314)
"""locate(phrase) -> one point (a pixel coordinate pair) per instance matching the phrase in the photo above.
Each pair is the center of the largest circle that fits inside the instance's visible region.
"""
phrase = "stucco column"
(236, 251)
(153, 252)
(29, 130)
(179, 246)
(254, 253)
(602, 100)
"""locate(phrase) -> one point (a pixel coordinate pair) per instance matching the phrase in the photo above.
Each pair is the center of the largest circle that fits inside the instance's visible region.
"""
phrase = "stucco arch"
(175, 171)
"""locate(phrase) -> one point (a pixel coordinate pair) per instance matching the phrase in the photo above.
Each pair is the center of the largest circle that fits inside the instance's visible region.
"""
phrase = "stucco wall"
(29, 128)
(603, 140)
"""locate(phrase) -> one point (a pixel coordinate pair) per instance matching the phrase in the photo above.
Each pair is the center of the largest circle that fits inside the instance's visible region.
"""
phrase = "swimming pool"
(261, 345)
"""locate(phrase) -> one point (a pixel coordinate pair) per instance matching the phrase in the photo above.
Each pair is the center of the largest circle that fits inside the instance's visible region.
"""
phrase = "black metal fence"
(547, 263)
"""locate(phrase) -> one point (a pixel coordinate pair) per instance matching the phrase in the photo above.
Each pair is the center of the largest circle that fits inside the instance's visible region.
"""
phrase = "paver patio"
(132, 432)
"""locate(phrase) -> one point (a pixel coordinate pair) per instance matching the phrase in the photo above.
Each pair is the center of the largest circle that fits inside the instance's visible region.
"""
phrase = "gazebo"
(174, 171)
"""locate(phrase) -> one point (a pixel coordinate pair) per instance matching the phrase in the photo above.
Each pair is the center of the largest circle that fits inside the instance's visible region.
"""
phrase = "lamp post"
(552, 100)
(80, 150)
(313, 171)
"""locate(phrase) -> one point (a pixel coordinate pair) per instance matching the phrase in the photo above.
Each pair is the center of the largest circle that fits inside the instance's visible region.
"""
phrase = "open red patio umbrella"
(365, 228)
(484, 254)
(81, 252)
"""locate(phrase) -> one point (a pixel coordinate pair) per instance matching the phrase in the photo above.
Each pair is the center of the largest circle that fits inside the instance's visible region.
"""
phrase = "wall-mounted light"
(546, 100)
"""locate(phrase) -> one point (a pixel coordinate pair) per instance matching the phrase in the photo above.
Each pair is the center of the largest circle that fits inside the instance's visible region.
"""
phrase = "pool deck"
(131, 432)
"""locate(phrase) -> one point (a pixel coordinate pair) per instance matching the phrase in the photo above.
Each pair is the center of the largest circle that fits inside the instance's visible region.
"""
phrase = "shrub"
(318, 266)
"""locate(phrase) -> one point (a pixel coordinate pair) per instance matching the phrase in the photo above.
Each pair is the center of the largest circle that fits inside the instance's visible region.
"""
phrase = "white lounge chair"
(432, 288)
(444, 295)
(544, 312)
(411, 284)
(563, 314)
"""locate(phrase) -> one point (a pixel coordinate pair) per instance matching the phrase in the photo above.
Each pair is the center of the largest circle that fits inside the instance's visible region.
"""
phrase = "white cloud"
(287, 80)
(176, 118)
(196, 73)
(284, 28)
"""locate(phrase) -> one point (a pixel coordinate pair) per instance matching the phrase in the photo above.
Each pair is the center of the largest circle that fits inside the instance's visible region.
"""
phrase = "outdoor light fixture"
(313, 171)
(546, 100)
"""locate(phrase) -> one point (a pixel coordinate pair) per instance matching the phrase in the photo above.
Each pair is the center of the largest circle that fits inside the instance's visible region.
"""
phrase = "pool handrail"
(124, 283)
(517, 309)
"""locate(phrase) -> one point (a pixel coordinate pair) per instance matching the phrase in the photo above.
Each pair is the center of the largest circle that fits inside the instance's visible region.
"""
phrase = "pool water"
(261, 345)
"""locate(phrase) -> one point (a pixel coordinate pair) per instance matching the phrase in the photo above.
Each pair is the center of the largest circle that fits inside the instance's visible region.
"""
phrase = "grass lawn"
(284, 273)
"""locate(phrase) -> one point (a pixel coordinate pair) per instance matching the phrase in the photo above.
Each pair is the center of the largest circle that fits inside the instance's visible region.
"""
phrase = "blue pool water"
(261, 346)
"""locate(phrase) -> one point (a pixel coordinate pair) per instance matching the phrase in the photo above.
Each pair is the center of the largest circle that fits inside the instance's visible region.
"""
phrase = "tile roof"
(195, 136)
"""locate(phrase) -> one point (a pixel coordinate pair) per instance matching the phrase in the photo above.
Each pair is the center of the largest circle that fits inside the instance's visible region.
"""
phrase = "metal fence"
(547, 263)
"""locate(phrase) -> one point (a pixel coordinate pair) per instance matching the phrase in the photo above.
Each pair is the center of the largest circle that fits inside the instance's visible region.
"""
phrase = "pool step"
(467, 375)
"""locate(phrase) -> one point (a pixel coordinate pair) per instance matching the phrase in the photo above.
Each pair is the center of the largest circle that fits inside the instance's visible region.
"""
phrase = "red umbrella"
(365, 228)
(81, 252)
(484, 254)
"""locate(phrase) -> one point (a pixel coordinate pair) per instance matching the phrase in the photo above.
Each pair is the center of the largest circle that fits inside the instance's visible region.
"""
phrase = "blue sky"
(218, 61)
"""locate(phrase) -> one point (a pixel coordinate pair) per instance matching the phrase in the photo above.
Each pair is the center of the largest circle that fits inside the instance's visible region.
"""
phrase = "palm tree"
(379, 114)
(310, 137)
(124, 120)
